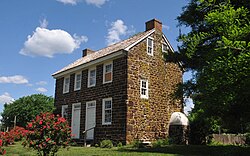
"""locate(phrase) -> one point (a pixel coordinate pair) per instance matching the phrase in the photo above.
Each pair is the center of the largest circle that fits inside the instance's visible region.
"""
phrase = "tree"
(26, 108)
(217, 50)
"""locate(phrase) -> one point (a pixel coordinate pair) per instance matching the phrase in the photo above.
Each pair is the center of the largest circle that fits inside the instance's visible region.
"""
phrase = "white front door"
(90, 119)
(75, 122)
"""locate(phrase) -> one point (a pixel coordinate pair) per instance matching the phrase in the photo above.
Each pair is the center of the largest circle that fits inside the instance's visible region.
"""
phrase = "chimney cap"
(154, 24)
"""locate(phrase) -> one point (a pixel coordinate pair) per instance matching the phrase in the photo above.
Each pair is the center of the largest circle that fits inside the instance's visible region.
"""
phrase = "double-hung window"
(144, 88)
(150, 46)
(92, 77)
(78, 78)
(107, 72)
(66, 83)
(107, 111)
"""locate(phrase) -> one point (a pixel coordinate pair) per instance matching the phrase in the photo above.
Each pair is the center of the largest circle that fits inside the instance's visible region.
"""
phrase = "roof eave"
(116, 54)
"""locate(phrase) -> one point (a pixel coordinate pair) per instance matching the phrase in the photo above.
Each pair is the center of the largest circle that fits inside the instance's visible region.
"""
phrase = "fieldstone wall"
(117, 90)
(148, 119)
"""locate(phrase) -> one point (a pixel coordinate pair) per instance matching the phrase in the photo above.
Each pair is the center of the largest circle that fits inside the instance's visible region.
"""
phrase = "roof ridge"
(124, 44)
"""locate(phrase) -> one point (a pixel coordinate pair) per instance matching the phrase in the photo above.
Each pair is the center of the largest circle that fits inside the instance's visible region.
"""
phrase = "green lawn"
(18, 150)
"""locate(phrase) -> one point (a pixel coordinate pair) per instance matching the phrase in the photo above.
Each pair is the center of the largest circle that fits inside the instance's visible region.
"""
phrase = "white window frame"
(63, 111)
(64, 84)
(145, 88)
(152, 48)
(80, 81)
(104, 72)
(91, 69)
(164, 44)
(103, 111)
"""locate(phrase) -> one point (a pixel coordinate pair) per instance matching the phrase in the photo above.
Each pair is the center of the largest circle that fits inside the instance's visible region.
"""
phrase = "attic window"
(150, 46)
(165, 48)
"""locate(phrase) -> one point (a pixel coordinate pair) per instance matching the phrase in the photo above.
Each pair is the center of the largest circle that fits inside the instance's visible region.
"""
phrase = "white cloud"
(6, 98)
(16, 79)
(165, 27)
(29, 85)
(41, 89)
(118, 28)
(47, 43)
(72, 2)
(97, 3)
(44, 23)
(41, 83)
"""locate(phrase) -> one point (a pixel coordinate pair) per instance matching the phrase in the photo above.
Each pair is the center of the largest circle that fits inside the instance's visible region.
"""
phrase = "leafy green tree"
(217, 50)
(26, 108)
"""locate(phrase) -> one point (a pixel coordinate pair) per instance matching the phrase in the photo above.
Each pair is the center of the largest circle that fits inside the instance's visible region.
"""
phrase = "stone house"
(125, 91)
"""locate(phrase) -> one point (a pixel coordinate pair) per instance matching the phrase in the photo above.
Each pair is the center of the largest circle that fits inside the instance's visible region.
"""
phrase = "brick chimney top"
(154, 24)
(86, 52)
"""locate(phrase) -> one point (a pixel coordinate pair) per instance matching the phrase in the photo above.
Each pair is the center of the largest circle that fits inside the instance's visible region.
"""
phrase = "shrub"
(18, 133)
(47, 133)
(247, 138)
(106, 144)
(7, 138)
(137, 144)
(2, 151)
(160, 143)
(119, 144)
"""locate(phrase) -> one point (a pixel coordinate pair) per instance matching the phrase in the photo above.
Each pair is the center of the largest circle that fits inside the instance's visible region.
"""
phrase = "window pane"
(107, 116)
(78, 77)
(66, 80)
(92, 81)
(144, 84)
(108, 68)
(107, 104)
(149, 50)
(78, 85)
(108, 77)
(92, 73)
(150, 42)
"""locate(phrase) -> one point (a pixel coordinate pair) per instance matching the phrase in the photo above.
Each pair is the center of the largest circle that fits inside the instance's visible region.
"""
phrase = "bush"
(119, 144)
(2, 151)
(247, 138)
(106, 144)
(47, 133)
(7, 138)
(18, 133)
(160, 143)
(137, 144)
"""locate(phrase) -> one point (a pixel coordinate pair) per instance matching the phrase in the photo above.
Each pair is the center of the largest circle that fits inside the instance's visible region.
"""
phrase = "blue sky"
(39, 37)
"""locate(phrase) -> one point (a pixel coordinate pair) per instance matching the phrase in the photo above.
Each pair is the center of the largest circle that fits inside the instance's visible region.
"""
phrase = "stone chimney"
(154, 24)
(86, 52)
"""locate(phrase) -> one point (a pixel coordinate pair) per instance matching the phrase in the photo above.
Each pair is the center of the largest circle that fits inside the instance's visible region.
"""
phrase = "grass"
(172, 150)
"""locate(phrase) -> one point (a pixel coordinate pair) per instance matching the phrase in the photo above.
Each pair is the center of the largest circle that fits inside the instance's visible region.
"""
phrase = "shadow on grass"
(195, 150)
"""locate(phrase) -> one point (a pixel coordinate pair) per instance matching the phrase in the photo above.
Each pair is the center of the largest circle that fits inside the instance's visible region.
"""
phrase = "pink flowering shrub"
(7, 138)
(47, 133)
(2, 151)
(18, 133)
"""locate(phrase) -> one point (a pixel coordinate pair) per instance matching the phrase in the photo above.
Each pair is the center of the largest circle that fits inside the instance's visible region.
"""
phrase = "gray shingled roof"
(106, 51)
